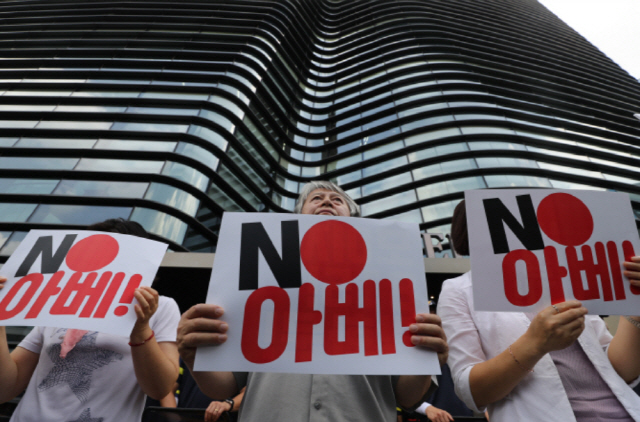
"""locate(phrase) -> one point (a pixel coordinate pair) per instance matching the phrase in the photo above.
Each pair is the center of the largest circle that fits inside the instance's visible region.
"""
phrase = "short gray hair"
(354, 209)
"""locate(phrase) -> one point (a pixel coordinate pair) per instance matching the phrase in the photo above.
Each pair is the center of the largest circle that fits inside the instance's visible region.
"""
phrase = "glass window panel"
(150, 127)
(208, 135)
(198, 153)
(164, 110)
(239, 187)
(18, 124)
(219, 119)
(389, 202)
(228, 105)
(225, 202)
(107, 94)
(175, 96)
(90, 109)
(37, 163)
(571, 170)
(13, 242)
(119, 166)
(432, 135)
(347, 178)
(495, 145)
(30, 186)
(385, 184)
(413, 216)
(344, 162)
(516, 181)
(77, 214)
(426, 122)
(101, 188)
(7, 142)
(474, 130)
(12, 213)
(160, 223)
(438, 211)
(561, 184)
(173, 197)
(382, 150)
(187, 174)
(55, 143)
(132, 145)
(450, 186)
(29, 107)
(59, 124)
(4, 236)
(384, 166)
(488, 162)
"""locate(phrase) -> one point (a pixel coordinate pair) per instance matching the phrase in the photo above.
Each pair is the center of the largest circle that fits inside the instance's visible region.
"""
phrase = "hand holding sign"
(557, 327)
(200, 326)
(427, 332)
(632, 272)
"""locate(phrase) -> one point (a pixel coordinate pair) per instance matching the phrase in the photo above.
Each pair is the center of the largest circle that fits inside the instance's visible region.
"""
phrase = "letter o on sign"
(251, 326)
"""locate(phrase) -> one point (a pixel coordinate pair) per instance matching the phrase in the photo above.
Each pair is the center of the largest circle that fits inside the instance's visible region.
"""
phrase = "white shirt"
(475, 337)
(96, 382)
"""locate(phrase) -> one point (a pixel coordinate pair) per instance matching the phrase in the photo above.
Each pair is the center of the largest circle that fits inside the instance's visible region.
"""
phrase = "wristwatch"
(231, 403)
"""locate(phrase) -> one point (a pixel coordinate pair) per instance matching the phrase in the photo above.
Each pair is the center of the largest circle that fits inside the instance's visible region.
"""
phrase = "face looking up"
(326, 202)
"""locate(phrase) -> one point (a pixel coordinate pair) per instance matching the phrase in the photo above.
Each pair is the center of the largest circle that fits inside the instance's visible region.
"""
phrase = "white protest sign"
(531, 248)
(77, 279)
(318, 295)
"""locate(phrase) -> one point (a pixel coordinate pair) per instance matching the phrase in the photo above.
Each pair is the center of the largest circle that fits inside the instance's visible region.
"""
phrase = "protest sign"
(77, 279)
(318, 295)
(537, 247)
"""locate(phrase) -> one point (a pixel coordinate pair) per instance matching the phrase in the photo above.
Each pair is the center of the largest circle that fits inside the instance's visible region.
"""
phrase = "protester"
(78, 375)
(300, 397)
(530, 366)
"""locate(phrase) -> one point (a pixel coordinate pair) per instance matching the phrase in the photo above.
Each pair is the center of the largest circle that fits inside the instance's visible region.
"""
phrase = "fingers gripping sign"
(427, 332)
(557, 327)
(200, 326)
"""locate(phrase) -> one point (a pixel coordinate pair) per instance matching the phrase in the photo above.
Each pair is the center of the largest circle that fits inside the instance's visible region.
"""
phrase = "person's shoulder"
(461, 281)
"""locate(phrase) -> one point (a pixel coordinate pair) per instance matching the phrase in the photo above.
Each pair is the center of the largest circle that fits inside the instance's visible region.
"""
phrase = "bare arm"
(156, 365)
(199, 326)
(16, 368)
(627, 338)
(550, 330)
(427, 332)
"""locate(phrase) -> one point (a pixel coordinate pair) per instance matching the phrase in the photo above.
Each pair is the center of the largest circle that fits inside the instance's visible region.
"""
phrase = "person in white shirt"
(78, 375)
(558, 365)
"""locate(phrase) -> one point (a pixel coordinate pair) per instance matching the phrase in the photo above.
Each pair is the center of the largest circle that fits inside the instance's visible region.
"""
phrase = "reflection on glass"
(389, 202)
(186, 174)
(37, 163)
(119, 166)
(173, 197)
(55, 143)
(150, 127)
(13, 242)
(13, 213)
(133, 145)
(77, 214)
(31, 186)
(101, 188)
(160, 223)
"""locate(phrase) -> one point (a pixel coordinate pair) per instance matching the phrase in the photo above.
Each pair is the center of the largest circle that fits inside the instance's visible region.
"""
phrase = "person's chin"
(327, 213)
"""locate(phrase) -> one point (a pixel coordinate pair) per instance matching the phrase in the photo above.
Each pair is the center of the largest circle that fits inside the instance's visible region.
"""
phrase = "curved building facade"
(170, 113)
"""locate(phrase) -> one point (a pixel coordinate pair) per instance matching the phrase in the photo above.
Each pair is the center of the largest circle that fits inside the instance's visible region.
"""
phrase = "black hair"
(120, 225)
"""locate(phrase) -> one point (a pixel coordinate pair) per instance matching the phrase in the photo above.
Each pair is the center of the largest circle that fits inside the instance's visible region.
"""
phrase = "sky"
(613, 26)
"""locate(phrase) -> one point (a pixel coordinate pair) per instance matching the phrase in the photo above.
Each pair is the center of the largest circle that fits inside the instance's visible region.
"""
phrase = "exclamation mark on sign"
(127, 296)
(627, 249)
(407, 309)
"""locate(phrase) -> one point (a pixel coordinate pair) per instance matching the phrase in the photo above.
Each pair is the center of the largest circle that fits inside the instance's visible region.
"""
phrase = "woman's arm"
(626, 342)
(156, 365)
(16, 368)
(553, 328)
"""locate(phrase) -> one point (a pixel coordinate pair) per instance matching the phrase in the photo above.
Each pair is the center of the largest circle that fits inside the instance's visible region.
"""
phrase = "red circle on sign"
(565, 219)
(92, 253)
(333, 252)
